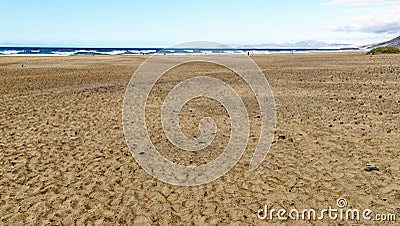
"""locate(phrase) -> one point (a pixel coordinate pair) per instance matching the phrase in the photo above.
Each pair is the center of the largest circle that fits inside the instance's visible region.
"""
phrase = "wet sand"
(64, 159)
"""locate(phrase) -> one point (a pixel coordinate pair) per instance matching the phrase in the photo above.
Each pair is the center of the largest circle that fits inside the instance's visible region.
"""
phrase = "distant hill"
(302, 44)
(394, 42)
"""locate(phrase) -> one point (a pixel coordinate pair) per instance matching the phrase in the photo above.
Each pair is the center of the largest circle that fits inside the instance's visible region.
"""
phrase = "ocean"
(70, 51)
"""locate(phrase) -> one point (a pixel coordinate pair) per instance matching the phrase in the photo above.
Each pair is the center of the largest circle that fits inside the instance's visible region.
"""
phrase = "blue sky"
(162, 23)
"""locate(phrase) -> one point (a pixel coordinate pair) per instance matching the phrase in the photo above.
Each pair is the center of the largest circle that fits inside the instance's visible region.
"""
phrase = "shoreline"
(256, 54)
(55, 51)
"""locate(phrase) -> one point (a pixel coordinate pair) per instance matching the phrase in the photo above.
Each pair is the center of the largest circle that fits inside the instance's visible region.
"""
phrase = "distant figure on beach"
(248, 53)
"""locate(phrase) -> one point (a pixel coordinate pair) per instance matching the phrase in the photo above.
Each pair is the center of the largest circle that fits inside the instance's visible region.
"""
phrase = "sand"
(64, 159)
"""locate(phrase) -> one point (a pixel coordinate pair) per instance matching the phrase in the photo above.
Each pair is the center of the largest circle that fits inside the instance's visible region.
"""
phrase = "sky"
(162, 23)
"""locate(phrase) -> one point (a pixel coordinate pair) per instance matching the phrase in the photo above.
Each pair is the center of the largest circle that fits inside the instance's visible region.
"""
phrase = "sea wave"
(69, 51)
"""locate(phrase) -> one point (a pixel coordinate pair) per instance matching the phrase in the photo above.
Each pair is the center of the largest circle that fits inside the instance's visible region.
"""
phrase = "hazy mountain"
(393, 42)
(311, 44)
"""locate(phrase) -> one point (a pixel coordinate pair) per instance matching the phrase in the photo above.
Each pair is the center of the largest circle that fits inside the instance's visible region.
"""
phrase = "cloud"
(360, 2)
(376, 19)
(373, 27)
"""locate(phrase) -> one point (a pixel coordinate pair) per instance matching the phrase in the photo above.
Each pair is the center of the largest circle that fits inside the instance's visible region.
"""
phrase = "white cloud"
(373, 27)
(376, 19)
(360, 2)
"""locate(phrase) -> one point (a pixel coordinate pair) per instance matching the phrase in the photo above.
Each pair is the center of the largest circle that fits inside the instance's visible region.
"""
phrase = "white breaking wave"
(10, 52)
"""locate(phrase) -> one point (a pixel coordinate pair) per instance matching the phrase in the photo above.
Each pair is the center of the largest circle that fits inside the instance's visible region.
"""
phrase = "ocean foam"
(52, 51)
(10, 52)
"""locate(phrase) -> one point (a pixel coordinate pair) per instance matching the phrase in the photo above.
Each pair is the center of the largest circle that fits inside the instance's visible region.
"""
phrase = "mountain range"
(393, 42)
(312, 44)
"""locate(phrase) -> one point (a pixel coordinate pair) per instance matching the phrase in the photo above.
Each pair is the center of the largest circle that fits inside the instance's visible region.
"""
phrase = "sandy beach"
(64, 158)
